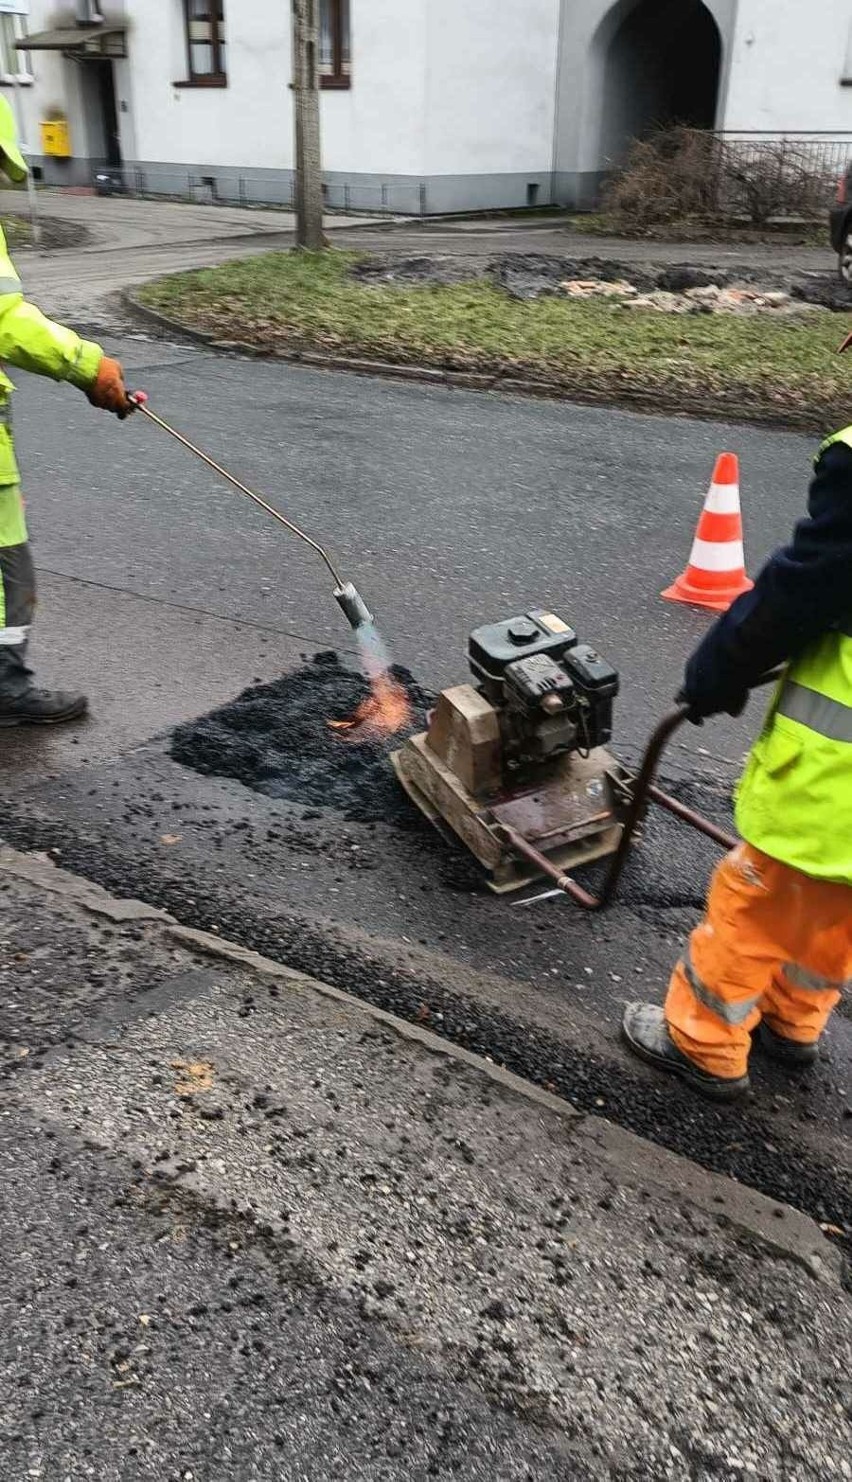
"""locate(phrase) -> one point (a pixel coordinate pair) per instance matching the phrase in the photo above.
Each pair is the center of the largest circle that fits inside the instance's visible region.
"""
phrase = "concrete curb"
(661, 403)
(633, 1160)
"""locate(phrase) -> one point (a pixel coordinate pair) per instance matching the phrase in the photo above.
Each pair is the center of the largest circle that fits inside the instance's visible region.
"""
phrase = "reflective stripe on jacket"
(32, 342)
(795, 798)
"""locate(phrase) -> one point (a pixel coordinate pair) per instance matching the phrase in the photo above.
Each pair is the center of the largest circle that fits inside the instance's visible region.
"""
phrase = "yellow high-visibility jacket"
(32, 342)
(795, 798)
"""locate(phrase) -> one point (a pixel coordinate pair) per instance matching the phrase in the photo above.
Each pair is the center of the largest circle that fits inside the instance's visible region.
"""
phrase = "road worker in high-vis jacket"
(773, 955)
(31, 342)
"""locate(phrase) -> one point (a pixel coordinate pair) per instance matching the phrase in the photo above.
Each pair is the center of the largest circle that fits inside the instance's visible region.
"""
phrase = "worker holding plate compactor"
(31, 342)
(773, 955)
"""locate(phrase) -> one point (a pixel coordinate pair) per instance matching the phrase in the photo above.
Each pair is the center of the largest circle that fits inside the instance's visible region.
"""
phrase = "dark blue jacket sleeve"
(805, 590)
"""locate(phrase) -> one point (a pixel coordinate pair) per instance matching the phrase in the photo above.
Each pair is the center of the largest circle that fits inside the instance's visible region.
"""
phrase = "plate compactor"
(516, 763)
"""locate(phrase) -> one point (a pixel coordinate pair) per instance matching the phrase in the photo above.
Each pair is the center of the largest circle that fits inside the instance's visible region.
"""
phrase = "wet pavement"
(170, 597)
(483, 237)
(252, 1230)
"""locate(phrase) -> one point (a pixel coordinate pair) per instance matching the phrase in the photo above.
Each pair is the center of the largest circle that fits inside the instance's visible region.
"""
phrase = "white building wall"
(242, 134)
(56, 91)
(787, 62)
(247, 123)
(377, 127)
(491, 98)
(459, 103)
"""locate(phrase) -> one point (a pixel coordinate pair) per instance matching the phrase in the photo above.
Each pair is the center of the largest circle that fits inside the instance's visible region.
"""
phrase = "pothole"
(279, 739)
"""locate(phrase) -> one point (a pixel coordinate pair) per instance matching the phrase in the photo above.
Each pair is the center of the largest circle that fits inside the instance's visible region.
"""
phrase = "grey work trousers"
(17, 594)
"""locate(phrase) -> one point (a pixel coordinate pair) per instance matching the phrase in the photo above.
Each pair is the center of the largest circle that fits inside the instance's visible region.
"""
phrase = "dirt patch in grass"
(54, 233)
(760, 368)
(378, 269)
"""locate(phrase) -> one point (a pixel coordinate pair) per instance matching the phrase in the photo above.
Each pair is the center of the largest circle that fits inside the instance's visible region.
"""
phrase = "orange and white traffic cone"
(716, 573)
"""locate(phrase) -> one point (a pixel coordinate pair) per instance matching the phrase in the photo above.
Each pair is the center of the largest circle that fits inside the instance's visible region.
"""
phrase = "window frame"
(218, 76)
(18, 29)
(338, 79)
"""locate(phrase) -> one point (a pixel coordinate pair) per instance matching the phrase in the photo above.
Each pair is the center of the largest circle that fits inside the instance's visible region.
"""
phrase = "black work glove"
(701, 707)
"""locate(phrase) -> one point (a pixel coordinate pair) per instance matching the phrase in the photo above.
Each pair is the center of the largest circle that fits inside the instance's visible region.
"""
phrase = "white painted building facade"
(433, 105)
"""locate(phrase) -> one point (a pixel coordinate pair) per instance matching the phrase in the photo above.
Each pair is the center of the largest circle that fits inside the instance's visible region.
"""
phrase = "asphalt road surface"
(167, 594)
(254, 1230)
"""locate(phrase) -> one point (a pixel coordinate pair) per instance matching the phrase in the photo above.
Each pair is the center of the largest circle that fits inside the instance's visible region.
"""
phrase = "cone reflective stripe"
(716, 574)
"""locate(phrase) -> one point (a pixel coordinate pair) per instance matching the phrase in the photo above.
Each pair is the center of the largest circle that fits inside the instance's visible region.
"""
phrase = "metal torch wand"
(346, 595)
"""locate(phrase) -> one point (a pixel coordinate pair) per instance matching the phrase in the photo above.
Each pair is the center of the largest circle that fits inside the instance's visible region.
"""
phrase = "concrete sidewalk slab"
(666, 1323)
(121, 223)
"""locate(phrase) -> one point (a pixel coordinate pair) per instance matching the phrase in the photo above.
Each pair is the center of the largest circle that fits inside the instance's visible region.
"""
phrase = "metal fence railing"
(681, 172)
(232, 188)
(798, 172)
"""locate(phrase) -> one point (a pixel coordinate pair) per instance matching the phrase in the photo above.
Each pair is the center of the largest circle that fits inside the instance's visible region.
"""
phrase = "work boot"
(35, 707)
(789, 1052)
(646, 1033)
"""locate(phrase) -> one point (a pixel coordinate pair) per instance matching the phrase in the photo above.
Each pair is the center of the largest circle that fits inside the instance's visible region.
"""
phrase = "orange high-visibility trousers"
(774, 944)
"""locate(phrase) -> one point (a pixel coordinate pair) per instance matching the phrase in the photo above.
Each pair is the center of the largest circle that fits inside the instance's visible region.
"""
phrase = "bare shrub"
(772, 178)
(684, 174)
(665, 178)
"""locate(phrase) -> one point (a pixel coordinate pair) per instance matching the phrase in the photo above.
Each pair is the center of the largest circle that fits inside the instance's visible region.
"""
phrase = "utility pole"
(309, 201)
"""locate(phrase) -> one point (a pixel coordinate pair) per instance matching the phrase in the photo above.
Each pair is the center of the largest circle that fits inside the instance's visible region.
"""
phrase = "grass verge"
(758, 368)
(54, 232)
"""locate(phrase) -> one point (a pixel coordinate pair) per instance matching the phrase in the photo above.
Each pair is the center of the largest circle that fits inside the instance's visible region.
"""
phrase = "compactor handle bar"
(643, 788)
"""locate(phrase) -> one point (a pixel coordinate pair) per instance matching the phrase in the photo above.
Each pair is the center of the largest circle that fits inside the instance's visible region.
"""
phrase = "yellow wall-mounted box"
(56, 138)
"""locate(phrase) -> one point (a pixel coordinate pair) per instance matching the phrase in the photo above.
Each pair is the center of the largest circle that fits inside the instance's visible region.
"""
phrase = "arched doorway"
(662, 65)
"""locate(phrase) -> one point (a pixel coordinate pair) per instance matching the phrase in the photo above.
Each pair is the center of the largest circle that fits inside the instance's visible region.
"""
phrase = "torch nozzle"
(353, 606)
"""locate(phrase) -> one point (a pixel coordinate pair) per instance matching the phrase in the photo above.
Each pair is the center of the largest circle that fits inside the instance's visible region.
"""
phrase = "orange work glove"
(108, 391)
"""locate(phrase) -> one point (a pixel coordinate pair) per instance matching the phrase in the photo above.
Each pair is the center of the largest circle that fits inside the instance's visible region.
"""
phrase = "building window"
(205, 42)
(15, 66)
(334, 46)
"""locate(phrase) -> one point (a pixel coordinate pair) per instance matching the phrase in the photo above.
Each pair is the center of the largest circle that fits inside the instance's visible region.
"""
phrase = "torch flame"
(385, 711)
(386, 708)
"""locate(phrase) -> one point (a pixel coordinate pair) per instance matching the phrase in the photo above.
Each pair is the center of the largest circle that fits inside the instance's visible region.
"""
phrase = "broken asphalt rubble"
(672, 288)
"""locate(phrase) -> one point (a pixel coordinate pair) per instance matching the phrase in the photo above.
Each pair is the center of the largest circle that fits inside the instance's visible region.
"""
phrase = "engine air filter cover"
(493, 647)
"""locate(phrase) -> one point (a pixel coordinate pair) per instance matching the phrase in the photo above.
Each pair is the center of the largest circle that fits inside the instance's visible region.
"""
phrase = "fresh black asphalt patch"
(278, 740)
